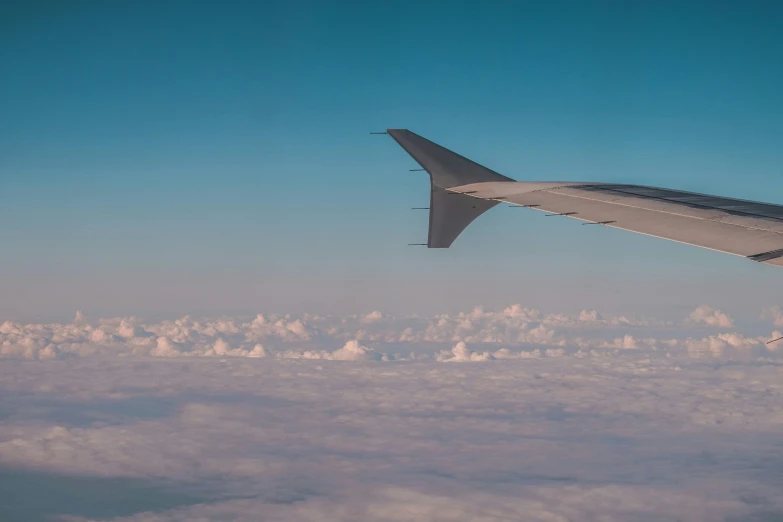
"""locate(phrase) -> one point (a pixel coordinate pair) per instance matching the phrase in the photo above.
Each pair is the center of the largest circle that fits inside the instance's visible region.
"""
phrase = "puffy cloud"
(372, 317)
(515, 329)
(708, 316)
(717, 345)
(505, 353)
(351, 351)
(588, 316)
(127, 329)
(773, 313)
(775, 341)
(627, 342)
(258, 351)
(461, 353)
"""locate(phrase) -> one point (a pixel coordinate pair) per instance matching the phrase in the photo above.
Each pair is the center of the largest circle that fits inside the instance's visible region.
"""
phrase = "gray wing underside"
(461, 190)
(744, 228)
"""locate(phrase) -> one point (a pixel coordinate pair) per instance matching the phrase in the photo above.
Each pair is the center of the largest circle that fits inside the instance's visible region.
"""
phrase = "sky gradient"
(196, 157)
(255, 339)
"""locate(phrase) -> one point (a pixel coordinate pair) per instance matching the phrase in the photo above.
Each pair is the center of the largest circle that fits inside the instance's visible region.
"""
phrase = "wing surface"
(461, 190)
(735, 226)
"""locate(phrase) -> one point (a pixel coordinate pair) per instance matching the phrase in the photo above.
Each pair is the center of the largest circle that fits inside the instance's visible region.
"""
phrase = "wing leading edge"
(461, 190)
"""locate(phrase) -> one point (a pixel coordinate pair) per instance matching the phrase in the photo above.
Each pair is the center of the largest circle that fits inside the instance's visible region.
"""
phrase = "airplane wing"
(462, 190)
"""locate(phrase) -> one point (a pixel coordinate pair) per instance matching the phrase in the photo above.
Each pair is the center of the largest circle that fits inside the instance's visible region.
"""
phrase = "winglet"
(450, 212)
(446, 168)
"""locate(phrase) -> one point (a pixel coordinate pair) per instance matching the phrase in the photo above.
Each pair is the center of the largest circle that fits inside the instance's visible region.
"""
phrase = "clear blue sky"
(159, 158)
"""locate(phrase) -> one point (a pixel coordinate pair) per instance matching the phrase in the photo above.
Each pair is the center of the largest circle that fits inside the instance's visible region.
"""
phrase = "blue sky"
(163, 158)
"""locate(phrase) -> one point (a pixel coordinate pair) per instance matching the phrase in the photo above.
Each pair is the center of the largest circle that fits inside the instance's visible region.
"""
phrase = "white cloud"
(775, 314)
(775, 341)
(717, 345)
(351, 351)
(499, 333)
(707, 316)
(588, 316)
(372, 317)
(461, 353)
(627, 342)
(166, 348)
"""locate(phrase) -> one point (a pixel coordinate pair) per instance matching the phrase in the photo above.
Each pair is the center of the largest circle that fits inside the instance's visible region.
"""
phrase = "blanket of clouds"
(485, 415)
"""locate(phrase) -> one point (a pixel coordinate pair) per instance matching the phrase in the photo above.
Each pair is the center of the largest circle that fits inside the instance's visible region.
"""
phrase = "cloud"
(707, 316)
(627, 342)
(500, 333)
(351, 351)
(401, 504)
(773, 313)
(550, 416)
(461, 353)
(372, 317)
(558, 434)
(717, 345)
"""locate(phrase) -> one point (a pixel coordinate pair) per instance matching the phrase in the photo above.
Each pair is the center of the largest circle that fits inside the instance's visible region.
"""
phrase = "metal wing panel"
(748, 214)
(695, 200)
(728, 225)
(723, 215)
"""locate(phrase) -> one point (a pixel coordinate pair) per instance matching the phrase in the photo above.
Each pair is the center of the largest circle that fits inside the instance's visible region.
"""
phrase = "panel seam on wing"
(556, 187)
(715, 220)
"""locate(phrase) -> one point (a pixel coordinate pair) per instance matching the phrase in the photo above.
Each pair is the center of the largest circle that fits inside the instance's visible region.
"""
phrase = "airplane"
(462, 190)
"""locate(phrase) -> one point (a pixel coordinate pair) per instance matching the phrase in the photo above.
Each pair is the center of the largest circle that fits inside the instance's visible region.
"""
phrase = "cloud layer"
(632, 436)
(489, 415)
(485, 335)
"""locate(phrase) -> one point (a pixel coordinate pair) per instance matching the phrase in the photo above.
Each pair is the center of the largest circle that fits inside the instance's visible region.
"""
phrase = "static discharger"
(563, 214)
(524, 206)
(774, 340)
(415, 170)
(599, 223)
(452, 193)
(417, 244)
(379, 133)
(420, 208)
